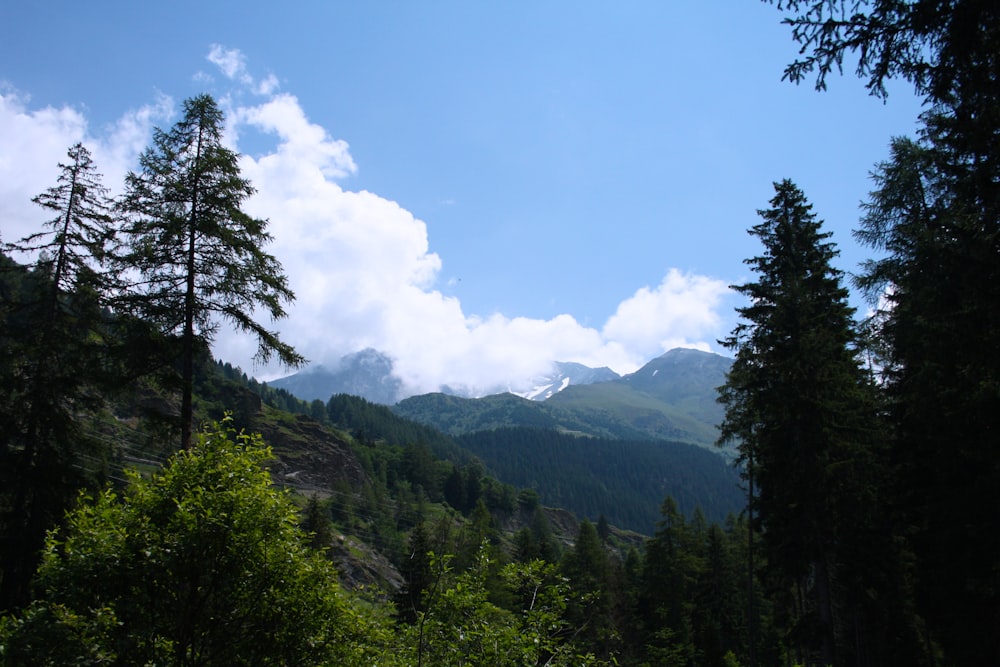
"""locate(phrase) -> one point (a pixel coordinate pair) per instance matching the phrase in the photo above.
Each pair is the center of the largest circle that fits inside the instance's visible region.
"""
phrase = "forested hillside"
(671, 398)
(157, 507)
(614, 478)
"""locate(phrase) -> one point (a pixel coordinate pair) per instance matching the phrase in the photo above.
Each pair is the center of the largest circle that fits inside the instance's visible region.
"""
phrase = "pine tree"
(198, 254)
(798, 405)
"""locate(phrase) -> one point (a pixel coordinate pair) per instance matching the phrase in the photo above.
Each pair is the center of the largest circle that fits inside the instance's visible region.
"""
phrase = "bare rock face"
(310, 457)
(360, 567)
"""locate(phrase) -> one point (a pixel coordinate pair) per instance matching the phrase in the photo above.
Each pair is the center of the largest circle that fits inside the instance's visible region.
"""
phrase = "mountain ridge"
(369, 374)
(673, 397)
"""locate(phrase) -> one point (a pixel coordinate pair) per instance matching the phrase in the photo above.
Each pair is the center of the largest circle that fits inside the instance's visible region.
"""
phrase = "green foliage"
(55, 367)
(690, 597)
(316, 523)
(198, 254)
(591, 476)
(945, 49)
(587, 568)
(370, 422)
(806, 420)
(934, 222)
(454, 415)
(931, 215)
(461, 626)
(203, 563)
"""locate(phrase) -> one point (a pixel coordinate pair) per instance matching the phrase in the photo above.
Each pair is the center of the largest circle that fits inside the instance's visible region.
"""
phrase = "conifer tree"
(937, 287)
(668, 579)
(588, 569)
(935, 219)
(53, 327)
(199, 255)
(798, 406)
(417, 574)
(75, 242)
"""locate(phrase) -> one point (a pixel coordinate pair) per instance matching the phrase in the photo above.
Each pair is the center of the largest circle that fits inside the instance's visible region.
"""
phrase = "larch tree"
(803, 416)
(938, 285)
(75, 241)
(53, 363)
(197, 254)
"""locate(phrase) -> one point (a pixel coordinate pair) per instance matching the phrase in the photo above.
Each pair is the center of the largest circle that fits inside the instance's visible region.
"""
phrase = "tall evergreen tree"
(417, 573)
(935, 214)
(53, 325)
(199, 256)
(587, 568)
(798, 405)
(666, 601)
(76, 240)
(939, 285)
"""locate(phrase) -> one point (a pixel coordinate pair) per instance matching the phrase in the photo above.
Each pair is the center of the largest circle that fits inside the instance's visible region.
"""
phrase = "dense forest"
(592, 476)
(157, 507)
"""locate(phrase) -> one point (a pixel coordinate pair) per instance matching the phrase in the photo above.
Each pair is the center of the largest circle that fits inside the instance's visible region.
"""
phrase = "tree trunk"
(187, 381)
(824, 609)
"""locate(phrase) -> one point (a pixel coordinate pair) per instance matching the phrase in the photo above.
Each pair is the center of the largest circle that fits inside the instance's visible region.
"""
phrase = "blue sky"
(476, 188)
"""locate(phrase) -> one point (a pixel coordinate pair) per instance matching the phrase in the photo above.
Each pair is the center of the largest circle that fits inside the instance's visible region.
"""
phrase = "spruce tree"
(666, 600)
(934, 219)
(198, 254)
(799, 408)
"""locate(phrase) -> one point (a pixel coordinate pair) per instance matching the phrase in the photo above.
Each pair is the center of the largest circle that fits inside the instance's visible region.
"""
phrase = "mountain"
(564, 374)
(367, 373)
(673, 397)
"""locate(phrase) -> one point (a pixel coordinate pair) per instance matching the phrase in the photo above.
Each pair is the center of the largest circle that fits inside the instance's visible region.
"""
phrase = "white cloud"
(305, 149)
(679, 312)
(34, 141)
(233, 65)
(361, 266)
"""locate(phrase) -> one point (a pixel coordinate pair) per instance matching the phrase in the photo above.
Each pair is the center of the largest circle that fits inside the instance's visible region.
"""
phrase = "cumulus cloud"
(362, 267)
(678, 312)
(34, 141)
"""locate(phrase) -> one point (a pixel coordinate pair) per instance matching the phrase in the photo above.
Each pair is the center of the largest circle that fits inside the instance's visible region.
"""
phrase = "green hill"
(672, 397)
